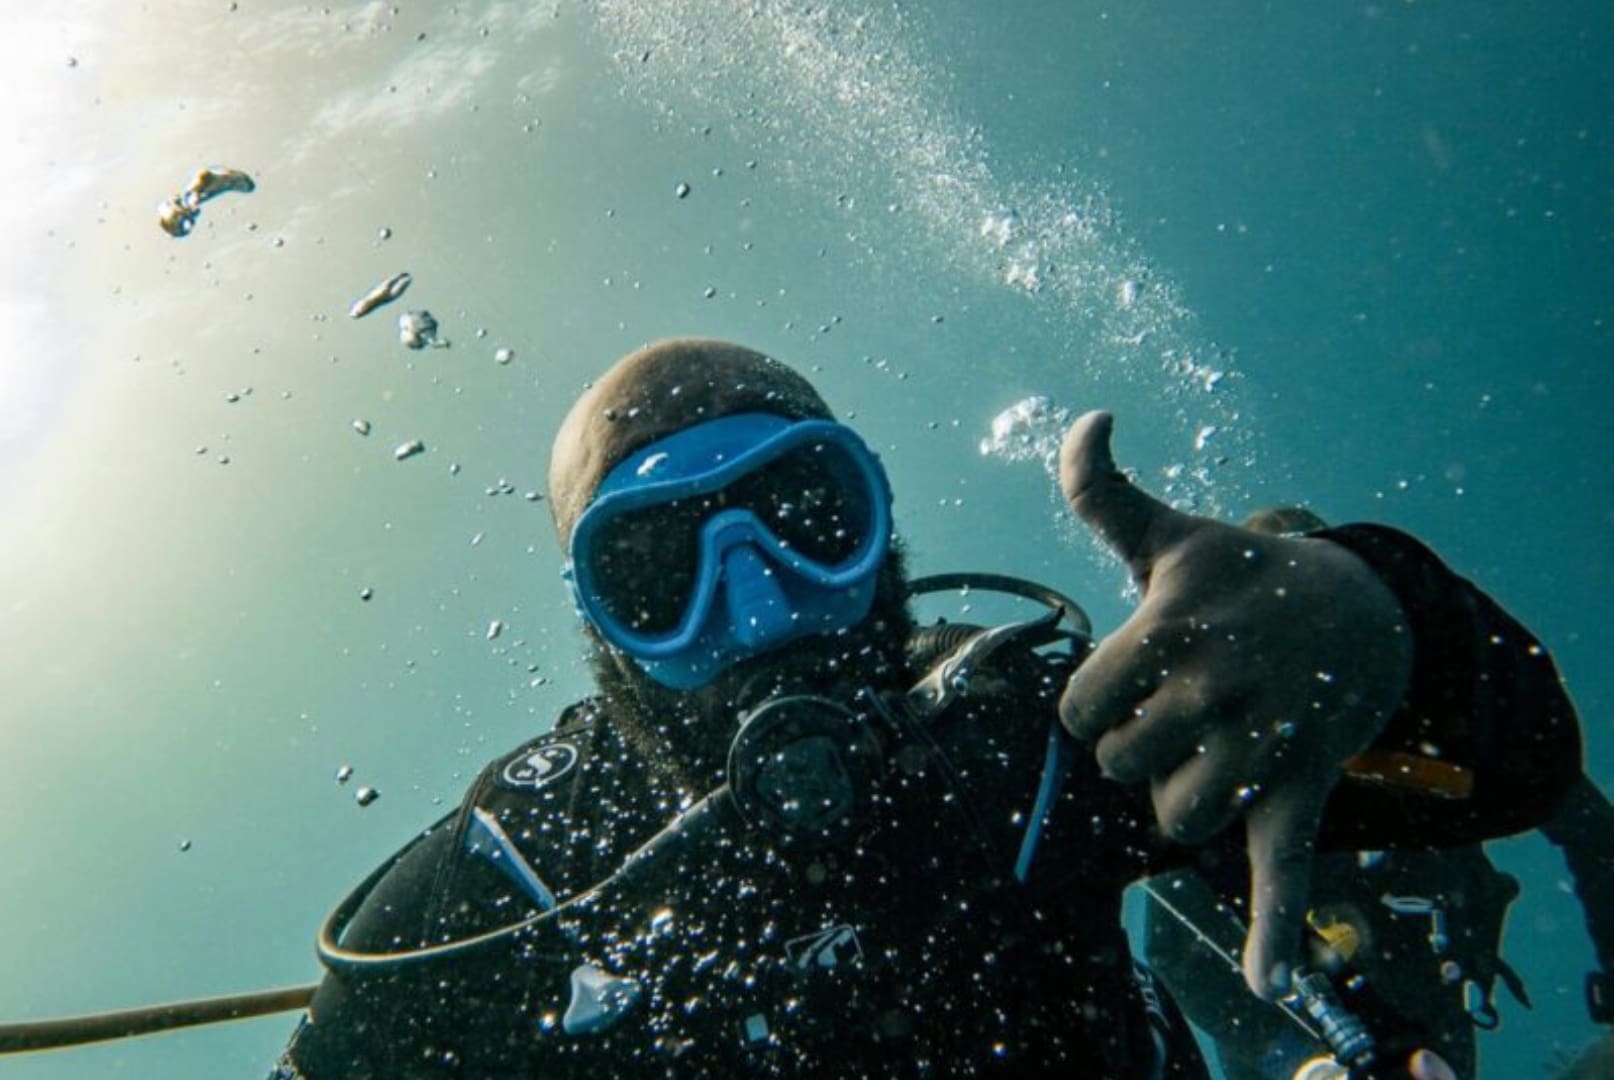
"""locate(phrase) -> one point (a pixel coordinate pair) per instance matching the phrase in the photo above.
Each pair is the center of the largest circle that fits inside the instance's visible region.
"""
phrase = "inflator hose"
(100, 1027)
(1005, 583)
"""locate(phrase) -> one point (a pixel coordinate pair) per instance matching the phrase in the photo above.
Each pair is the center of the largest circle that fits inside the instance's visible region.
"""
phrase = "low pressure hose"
(149, 1020)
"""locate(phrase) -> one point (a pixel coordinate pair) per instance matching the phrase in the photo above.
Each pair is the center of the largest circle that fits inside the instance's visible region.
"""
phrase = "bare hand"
(1252, 668)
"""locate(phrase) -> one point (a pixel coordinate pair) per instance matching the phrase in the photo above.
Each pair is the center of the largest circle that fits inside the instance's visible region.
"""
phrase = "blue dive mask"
(730, 538)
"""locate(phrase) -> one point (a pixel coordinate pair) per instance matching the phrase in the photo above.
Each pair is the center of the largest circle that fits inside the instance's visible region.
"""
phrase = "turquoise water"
(1358, 258)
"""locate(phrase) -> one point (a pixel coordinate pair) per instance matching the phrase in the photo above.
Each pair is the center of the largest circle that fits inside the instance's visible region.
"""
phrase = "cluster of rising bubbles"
(1030, 254)
(848, 80)
(1022, 265)
(1028, 430)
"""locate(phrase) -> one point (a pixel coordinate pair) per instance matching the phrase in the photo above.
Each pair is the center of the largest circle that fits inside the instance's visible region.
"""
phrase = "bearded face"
(688, 732)
(641, 574)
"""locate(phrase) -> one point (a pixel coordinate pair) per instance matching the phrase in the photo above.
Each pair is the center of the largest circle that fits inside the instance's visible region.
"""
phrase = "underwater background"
(1352, 255)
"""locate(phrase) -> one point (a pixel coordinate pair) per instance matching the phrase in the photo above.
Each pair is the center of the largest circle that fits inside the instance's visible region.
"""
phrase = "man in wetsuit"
(786, 836)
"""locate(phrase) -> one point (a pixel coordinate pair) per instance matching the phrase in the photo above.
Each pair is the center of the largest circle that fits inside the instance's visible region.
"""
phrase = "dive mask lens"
(644, 564)
(813, 502)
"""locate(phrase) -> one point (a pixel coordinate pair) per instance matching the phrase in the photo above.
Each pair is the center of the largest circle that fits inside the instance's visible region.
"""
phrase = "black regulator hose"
(1005, 583)
(699, 821)
(149, 1020)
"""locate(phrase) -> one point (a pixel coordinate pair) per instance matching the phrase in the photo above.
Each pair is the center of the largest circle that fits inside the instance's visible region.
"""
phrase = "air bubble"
(1029, 430)
(177, 215)
(381, 294)
(418, 329)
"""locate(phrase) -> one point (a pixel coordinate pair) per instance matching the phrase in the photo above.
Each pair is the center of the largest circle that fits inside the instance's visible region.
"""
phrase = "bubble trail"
(844, 80)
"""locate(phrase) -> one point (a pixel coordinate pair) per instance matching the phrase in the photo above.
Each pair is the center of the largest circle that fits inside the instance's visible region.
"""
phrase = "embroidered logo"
(539, 766)
(825, 949)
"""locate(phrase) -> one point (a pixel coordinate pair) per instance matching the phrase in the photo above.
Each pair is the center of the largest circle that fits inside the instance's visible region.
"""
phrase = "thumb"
(1135, 525)
(1281, 833)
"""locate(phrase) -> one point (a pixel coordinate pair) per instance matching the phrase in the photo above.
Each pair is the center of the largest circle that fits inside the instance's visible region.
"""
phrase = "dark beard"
(685, 734)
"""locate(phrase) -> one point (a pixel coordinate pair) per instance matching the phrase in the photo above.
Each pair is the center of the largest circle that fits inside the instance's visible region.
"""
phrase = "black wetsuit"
(914, 951)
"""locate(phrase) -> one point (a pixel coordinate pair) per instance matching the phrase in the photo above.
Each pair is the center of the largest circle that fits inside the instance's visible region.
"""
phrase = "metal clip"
(1477, 1004)
(1407, 905)
(1439, 940)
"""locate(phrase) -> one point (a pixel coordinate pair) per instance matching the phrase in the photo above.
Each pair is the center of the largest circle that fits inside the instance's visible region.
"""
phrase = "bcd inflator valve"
(1347, 1036)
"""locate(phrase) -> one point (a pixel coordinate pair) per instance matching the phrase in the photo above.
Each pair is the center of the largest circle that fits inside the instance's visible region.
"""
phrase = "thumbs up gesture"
(1253, 666)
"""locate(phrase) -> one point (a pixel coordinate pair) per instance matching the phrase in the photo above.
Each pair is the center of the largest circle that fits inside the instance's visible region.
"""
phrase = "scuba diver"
(1423, 927)
(793, 832)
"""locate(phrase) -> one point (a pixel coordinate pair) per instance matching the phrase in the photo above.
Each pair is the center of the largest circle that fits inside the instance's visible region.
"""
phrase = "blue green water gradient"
(1356, 257)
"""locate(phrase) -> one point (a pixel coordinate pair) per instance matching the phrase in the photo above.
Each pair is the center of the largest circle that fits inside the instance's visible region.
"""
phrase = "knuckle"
(1117, 758)
(1187, 819)
(1079, 712)
(1070, 709)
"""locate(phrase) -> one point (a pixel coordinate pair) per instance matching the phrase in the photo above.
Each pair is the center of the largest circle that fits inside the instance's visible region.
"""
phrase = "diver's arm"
(1256, 669)
(1253, 667)
(1484, 697)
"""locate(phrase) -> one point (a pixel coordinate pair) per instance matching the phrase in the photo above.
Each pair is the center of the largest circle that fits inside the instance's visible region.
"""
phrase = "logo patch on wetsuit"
(540, 766)
(827, 948)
